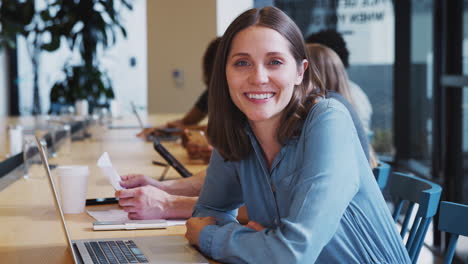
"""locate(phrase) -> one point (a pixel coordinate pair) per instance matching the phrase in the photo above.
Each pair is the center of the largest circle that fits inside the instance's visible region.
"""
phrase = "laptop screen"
(58, 205)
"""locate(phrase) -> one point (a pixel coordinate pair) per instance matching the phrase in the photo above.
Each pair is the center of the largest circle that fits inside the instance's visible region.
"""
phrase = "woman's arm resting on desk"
(148, 202)
(186, 186)
(323, 193)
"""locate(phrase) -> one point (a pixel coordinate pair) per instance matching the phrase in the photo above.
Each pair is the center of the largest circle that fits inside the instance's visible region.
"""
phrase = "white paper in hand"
(105, 164)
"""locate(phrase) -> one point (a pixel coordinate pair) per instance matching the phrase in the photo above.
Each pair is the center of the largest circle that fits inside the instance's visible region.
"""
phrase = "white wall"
(130, 83)
(227, 11)
(3, 84)
(178, 34)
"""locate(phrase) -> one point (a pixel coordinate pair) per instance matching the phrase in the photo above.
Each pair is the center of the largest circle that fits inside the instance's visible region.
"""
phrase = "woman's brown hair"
(208, 60)
(331, 70)
(226, 123)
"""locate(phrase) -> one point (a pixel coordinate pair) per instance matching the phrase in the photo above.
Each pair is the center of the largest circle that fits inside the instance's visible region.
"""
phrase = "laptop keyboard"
(121, 251)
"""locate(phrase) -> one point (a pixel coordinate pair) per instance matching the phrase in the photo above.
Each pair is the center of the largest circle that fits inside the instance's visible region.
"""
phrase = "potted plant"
(89, 26)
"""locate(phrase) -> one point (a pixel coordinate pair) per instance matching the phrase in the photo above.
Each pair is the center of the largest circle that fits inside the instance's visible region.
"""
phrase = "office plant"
(89, 26)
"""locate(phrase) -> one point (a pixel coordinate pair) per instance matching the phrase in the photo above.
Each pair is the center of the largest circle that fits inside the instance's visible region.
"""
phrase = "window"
(420, 108)
(368, 29)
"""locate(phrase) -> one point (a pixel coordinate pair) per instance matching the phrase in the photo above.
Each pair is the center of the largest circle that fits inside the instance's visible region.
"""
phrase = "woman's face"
(261, 73)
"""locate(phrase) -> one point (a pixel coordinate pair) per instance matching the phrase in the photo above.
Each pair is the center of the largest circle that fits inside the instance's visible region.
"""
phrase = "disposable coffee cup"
(81, 107)
(73, 184)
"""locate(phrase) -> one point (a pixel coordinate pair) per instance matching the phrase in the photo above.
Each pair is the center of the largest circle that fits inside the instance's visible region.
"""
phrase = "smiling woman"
(261, 81)
(291, 156)
(279, 69)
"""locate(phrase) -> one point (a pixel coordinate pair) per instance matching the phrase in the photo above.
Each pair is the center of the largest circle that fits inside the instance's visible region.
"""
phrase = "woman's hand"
(254, 225)
(196, 151)
(195, 225)
(137, 180)
(145, 202)
(147, 132)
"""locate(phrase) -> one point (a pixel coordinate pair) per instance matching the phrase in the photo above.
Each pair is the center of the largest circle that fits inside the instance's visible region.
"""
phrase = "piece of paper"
(122, 216)
(109, 215)
(105, 164)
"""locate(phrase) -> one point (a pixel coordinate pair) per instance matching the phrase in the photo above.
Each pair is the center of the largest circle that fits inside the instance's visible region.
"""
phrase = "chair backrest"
(414, 190)
(453, 218)
(381, 174)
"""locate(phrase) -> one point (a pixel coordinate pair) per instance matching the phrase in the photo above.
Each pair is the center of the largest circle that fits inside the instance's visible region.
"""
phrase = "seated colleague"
(334, 40)
(292, 157)
(334, 78)
(200, 110)
(147, 198)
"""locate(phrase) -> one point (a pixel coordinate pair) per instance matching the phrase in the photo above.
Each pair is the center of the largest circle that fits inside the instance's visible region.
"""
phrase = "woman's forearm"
(187, 186)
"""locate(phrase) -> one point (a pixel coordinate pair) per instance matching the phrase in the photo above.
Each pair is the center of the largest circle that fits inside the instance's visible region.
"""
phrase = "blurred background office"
(409, 57)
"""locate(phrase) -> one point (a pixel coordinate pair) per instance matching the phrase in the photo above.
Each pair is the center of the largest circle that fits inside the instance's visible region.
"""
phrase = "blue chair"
(453, 219)
(381, 174)
(413, 190)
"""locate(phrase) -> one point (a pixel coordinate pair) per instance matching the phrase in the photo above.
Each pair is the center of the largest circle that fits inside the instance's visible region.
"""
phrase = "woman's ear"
(300, 71)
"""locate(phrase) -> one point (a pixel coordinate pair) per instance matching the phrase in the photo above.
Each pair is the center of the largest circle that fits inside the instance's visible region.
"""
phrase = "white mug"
(15, 138)
(73, 183)
(81, 107)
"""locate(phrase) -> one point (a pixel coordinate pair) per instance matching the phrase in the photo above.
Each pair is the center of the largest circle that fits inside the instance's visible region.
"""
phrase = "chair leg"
(451, 249)
(416, 249)
(414, 228)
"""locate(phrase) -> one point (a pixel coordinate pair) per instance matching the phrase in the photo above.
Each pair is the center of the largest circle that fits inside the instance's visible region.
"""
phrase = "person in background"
(287, 153)
(334, 40)
(333, 75)
(198, 112)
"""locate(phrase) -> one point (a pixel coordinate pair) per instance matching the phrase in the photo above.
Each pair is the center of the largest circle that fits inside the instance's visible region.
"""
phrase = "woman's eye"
(276, 62)
(241, 63)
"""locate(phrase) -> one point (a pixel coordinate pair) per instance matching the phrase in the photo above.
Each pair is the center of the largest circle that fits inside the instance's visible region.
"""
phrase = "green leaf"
(45, 15)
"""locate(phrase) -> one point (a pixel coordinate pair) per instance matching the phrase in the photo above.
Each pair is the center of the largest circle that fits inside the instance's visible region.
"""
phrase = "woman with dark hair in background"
(335, 41)
(287, 153)
(335, 79)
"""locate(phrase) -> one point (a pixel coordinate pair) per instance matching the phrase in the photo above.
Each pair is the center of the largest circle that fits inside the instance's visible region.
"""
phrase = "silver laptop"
(157, 249)
(141, 125)
(135, 112)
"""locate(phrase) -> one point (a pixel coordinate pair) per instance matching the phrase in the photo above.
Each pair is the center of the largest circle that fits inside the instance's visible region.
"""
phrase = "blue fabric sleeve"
(327, 182)
(221, 194)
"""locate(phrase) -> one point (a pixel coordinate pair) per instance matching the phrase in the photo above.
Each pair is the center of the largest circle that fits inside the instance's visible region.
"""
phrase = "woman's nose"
(259, 75)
